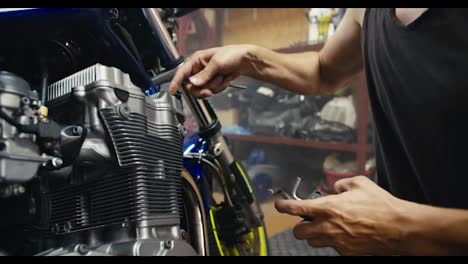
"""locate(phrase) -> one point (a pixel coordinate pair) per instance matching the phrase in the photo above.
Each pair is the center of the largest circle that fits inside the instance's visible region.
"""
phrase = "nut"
(168, 244)
(123, 111)
(57, 162)
(82, 249)
(25, 100)
(77, 130)
(183, 235)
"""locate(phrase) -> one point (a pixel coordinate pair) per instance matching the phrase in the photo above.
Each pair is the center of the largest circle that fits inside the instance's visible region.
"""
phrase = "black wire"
(130, 42)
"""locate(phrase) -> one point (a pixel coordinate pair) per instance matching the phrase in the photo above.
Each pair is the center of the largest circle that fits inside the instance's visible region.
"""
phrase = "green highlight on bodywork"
(246, 179)
(215, 232)
(234, 251)
(263, 243)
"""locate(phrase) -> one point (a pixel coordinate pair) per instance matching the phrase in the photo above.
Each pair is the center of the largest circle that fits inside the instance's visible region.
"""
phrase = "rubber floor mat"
(285, 244)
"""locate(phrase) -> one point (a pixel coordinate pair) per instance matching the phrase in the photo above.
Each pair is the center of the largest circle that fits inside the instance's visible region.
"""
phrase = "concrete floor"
(281, 239)
(276, 222)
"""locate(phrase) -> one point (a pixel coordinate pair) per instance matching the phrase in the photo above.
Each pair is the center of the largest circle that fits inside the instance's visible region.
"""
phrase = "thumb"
(302, 207)
(344, 185)
(205, 75)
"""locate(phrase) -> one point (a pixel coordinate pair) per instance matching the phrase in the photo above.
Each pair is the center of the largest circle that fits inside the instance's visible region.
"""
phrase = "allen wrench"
(293, 195)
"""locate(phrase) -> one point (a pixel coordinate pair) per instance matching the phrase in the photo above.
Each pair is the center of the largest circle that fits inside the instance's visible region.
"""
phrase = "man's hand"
(212, 70)
(309, 73)
(363, 219)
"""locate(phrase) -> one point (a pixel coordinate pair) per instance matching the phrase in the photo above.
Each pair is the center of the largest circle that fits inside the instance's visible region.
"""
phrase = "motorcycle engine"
(109, 184)
(89, 163)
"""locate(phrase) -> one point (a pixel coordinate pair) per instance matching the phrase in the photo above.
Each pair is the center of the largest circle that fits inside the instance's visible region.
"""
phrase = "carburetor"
(19, 155)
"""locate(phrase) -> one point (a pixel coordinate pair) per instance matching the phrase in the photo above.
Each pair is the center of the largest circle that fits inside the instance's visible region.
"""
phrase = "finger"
(303, 207)
(319, 242)
(348, 184)
(200, 93)
(343, 185)
(191, 66)
(183, 73)
(205, 75)
(310, 230)
(205, 93)
(230, 78)
(215, 84)
(223, 85)
(344, 251)
(194, 90)
(203, 58)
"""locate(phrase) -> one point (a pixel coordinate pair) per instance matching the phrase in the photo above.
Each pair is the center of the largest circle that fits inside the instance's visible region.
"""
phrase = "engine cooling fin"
(145, 188)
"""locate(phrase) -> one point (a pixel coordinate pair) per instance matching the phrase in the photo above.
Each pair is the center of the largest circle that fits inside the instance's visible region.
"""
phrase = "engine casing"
(122, 195)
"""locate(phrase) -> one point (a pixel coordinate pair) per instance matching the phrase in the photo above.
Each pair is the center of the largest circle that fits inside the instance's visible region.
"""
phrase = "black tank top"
(417, 79)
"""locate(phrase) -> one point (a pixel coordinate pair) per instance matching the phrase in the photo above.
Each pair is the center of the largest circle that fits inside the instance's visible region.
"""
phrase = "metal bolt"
(77, 130)
(168, 244)
(19, 189)
(123, 111)
(67, 227)
(82, 249)
(25, 100)
(183, 235)
(217, 149)
(182, 130)
(57, 162)
(12, 190)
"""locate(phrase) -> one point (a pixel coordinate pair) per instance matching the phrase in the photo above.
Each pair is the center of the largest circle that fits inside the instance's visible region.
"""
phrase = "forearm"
(434, 231)
(299, 72)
